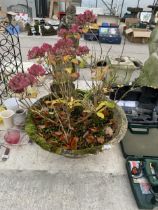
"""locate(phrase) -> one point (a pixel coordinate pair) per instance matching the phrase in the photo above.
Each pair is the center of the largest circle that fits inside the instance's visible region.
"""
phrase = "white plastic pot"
(7, 117)
(11, 104)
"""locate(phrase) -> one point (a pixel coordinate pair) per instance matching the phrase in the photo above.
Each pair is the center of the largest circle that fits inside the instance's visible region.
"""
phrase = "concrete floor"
(33, 179)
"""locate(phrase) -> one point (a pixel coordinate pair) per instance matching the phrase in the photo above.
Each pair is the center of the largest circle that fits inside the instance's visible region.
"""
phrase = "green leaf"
(82, 64)
(101, 115)
(69, 70)
(75, 61)
(109, 104)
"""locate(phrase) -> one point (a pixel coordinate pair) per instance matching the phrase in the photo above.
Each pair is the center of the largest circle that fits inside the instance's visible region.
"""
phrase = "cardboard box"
(3, 14)
(107, 19)
(137, 35)
(131, 21)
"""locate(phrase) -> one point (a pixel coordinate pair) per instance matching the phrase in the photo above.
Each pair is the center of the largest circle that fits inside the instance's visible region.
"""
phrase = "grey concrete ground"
(33, 179)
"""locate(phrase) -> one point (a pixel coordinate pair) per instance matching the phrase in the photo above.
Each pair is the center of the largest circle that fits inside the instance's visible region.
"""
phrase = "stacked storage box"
(109, 33)
(92, 35)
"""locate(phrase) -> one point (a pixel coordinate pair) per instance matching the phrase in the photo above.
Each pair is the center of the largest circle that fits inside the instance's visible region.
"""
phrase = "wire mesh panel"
(10, 57)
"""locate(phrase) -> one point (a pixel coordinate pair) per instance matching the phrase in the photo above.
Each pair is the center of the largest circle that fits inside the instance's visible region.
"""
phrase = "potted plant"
(67, 120)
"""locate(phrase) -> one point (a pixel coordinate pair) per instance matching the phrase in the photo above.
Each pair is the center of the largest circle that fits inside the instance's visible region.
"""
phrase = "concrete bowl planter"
(118, 116)
(122, 68)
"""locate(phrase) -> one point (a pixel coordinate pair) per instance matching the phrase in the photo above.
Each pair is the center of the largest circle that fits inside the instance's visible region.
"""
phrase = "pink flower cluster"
(20, 82)
(36, 70)
(63, 47)
(82, 50)
(67, 47)
(36, 52)
(64, 33)
(45, 48)
(86, 17)
(75, 29)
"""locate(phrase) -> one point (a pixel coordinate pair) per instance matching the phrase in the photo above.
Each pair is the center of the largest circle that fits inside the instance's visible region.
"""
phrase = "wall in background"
(5, 3)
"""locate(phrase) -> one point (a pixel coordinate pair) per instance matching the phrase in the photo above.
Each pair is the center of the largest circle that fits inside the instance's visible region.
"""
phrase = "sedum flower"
(89, 16)
(64, 47)
(63, 33)
(75, 29)
(45, 48)
(35, 52)
(86, 17)
(36, 70)
(82, 50)
(20, 82)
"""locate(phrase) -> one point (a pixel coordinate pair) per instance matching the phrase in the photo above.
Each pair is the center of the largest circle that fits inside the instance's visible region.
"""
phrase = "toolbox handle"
(138, 129)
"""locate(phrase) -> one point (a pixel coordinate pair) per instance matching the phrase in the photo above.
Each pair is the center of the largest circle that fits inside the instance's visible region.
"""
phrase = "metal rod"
(111, 12)
(138, 3)
(117, 6)
(27, 4)
(96, 3)
(37, 8)
(123, 1)
(112, 2)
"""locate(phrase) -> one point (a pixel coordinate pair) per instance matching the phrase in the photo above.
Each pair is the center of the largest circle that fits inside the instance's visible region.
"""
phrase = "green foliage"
(31, 130)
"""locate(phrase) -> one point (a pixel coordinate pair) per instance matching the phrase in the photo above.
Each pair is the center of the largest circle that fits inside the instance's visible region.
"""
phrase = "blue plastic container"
(105, 25)
(92, 35)
(13, 30)
(109, 35)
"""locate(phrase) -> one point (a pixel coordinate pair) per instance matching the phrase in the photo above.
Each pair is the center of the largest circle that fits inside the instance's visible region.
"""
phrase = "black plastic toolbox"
(140, 145)
(142, 149)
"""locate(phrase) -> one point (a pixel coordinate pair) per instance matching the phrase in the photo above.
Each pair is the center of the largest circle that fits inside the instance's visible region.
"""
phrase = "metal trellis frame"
(10, 57)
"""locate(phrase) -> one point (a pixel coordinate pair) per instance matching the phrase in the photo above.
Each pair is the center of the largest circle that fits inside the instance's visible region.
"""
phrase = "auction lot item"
(140, 145)
(109, 35)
